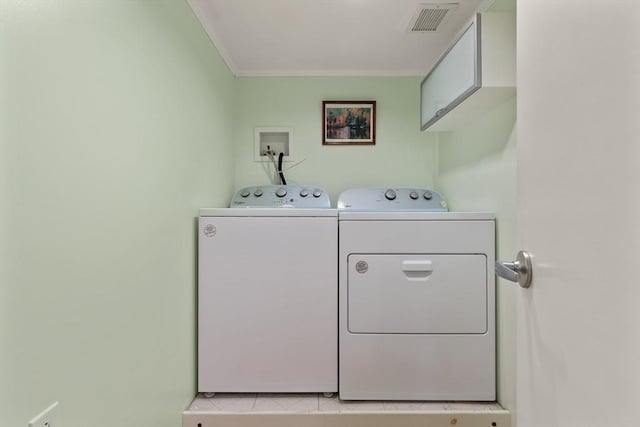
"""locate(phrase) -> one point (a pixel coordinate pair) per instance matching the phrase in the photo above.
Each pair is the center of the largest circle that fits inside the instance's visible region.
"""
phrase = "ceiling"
(330, 37)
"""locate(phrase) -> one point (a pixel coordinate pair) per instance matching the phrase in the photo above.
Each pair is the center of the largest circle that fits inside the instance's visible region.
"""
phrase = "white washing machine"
(267, 309)
(416, 298)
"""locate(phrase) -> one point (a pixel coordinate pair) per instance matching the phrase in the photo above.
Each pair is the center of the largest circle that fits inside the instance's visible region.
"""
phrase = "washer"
(416, 298)
(267, 309)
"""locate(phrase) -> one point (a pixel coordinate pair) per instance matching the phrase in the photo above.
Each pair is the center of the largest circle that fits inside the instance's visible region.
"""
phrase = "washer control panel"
(281, 196)
(392, 199)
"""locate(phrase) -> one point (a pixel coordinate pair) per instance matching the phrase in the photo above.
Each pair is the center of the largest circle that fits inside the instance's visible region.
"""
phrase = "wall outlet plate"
(47, 418)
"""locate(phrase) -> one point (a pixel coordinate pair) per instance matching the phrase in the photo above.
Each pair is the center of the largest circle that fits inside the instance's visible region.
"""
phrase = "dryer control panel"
(392, 199)
(281, 196)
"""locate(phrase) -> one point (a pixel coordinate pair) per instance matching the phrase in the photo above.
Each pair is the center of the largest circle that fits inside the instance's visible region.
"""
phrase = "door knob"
(517, 271)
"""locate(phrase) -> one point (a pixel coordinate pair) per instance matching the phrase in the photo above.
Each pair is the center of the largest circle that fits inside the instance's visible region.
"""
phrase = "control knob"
(245, 192)
(390, 194)
(413, 195)
(317, 193)
(281, 192)
(428, 195)
(304, 193)
(258, 192)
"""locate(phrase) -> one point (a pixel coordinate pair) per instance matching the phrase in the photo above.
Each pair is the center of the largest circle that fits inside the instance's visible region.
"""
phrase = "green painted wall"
(120, 120)
(5, 322)
(116, 127)
(402, 156)
(477, 172)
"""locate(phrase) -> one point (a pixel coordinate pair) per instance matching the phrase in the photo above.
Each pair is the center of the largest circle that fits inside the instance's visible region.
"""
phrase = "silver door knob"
(518, 271)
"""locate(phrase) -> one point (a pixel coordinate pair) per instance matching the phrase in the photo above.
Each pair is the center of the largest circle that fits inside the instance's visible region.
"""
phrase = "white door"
(579, 212)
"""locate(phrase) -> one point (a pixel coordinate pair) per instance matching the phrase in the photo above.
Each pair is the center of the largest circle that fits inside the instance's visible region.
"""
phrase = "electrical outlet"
(47, 418)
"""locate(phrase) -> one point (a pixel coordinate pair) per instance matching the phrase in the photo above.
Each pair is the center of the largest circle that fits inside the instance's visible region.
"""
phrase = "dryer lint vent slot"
(428, 18)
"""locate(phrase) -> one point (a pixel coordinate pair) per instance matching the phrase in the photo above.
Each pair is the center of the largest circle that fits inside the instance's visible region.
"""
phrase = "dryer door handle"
(417, 269)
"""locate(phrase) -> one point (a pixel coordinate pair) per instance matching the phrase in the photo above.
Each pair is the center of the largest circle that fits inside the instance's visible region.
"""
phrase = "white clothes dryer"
(416, 298)
(267, 308)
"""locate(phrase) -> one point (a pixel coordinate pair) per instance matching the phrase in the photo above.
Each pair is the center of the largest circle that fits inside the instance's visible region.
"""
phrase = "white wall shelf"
(476, 74)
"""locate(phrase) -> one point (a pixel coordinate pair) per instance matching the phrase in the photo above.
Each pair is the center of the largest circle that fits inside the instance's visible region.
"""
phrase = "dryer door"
(417, 294)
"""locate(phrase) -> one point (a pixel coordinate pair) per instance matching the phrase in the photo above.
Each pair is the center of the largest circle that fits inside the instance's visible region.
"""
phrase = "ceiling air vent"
(429, 17)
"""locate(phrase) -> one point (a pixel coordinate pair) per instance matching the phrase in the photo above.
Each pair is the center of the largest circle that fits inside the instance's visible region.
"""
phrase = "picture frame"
(348, 122)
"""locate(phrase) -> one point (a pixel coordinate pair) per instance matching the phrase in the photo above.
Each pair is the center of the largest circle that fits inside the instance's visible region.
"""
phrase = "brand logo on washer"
(209, 230)
(362, 267)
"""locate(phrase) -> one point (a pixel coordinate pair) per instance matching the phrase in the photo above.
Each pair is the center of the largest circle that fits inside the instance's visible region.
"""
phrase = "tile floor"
(306, 403)
(315, 410)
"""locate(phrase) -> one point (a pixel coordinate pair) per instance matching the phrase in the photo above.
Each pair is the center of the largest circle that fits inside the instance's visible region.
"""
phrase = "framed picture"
(348, 122)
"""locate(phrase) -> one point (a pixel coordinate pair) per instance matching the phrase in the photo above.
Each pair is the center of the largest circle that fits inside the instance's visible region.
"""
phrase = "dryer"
(416, 298)
(267, 286)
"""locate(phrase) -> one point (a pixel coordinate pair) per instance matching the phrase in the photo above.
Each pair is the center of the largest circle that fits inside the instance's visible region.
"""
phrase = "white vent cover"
(429, 17)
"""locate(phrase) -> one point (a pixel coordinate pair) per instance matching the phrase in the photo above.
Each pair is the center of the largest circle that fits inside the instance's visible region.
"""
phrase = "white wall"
(115, 128)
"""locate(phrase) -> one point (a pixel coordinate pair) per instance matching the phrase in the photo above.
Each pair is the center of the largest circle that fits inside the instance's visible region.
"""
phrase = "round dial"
(281, 192)
(390, 194)
(304, 193)
(245, 192)
(427, 195)
(317, 193)
(413, 195)
(258, 192)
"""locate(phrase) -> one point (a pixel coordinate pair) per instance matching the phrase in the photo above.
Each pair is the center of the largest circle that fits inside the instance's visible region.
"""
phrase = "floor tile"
(312, 402)
(336, 405)
(224, 402)
(290, 403)
(414, 406)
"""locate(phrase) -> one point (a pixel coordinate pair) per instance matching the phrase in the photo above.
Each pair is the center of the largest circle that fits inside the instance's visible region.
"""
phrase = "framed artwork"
(348, 122)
